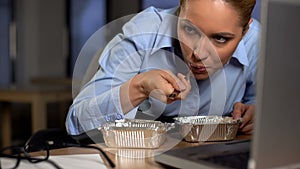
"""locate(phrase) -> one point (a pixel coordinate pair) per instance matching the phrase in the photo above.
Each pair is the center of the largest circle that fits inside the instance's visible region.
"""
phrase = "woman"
(201, 63)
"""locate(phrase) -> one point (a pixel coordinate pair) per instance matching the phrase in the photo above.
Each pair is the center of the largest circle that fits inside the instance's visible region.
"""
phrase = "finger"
(181, 77)
(188, 76)
(248, 115)
(185, 80)
(238, 110)
(173, 80)
(248, 129)
(178, 87)
(159, 95)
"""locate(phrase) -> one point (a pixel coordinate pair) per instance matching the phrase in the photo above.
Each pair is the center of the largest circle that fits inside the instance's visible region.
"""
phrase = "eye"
(221, 39)
(188, 29)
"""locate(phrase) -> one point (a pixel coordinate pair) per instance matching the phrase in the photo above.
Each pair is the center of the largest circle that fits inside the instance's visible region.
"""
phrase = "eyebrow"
(189, 22)
(226, 34)
(192, 25)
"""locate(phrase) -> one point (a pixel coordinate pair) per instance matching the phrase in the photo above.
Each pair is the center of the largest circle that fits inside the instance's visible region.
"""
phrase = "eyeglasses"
(93, 147)
(10, 157)
(40, 145)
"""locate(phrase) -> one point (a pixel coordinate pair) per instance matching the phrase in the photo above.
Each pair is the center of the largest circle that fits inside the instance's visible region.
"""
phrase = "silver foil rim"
(206, 120)
(135, 133)
(208, 128)
(137, 124)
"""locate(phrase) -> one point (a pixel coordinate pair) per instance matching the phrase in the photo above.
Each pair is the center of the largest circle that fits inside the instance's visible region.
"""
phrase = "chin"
(201, 76)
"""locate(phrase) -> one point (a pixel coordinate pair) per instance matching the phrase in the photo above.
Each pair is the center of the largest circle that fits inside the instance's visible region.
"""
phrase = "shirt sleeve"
(252, 45)
(99, 101)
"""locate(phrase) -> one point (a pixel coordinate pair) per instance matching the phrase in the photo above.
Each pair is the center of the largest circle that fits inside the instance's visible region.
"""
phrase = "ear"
(247, 26)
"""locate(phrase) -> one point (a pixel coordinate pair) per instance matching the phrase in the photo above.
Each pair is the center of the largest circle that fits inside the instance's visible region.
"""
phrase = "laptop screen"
(277, 125)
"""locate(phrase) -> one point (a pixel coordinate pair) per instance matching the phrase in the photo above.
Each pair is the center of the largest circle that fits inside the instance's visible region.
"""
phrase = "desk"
(129, 163)
(38, 98)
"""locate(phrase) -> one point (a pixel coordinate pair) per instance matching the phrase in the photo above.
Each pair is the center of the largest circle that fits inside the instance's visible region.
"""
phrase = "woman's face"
(209, 32)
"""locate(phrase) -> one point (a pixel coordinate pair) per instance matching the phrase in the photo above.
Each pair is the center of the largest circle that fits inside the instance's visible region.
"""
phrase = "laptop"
(276, 139)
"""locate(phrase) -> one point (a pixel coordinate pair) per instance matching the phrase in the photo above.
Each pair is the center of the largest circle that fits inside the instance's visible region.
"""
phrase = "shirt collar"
(240, 54)
(167, 31)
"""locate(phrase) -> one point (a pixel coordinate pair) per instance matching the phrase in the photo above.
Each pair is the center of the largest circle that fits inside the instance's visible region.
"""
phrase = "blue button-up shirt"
(148, 41)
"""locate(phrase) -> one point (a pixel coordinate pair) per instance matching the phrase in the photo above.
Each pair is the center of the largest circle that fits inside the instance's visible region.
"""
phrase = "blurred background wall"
(42, 38)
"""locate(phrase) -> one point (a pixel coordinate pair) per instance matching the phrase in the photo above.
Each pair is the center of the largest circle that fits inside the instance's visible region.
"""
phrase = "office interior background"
(43, 38)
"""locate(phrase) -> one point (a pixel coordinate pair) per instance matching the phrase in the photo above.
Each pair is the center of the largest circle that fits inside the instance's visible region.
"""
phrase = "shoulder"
(253, 34)
(154, 14)
(248, 48)
(144, 30)
(251, 40)
(148, 20)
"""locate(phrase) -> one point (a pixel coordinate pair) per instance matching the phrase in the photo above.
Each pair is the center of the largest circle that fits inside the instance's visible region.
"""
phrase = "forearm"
(132, 94)
(90, 112)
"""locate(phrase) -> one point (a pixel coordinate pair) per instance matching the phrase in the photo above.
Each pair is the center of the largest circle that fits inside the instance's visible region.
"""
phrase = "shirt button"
(107, 118)
(119, 116)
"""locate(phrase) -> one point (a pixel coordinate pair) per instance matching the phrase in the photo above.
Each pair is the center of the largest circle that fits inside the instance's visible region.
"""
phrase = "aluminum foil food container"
(135, 133)
(208, 128)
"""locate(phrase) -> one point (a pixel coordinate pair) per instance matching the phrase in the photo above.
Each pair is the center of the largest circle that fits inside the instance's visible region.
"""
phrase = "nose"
(201, 50)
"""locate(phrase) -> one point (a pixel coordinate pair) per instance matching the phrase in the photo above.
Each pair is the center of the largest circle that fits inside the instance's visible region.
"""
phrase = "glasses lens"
(8, 163)
(38, 156)
(37, 153)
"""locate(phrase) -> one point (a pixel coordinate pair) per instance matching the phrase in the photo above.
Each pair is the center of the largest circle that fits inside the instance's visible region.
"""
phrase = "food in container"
(208, 128)
(135, 133)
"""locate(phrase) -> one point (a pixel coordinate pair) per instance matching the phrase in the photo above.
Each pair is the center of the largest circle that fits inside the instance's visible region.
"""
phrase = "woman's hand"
(160, 84)
(246, 112)
(164, 85)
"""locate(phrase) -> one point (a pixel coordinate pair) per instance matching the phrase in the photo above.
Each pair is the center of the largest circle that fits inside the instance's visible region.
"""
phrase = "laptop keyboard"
(236, 160)
(233, 154)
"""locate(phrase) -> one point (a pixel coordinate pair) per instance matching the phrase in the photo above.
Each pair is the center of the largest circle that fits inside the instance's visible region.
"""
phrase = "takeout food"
(207, 128)
(135, 133)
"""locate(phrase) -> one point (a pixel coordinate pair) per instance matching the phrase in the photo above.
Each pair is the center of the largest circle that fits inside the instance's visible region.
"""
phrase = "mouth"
(198, 69)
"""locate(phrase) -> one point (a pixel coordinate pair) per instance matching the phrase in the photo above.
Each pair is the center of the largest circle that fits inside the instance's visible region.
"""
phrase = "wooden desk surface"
(122, 162)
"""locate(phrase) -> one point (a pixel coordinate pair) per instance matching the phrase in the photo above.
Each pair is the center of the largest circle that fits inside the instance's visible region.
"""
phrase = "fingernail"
(181, 86)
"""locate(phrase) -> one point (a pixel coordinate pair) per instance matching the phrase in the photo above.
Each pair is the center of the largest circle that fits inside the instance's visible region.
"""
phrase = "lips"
(198, 68)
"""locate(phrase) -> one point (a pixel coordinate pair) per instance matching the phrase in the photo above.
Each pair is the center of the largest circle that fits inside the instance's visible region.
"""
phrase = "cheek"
(186, 51)
(224, 56)
(186, 45)
(226, 52)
